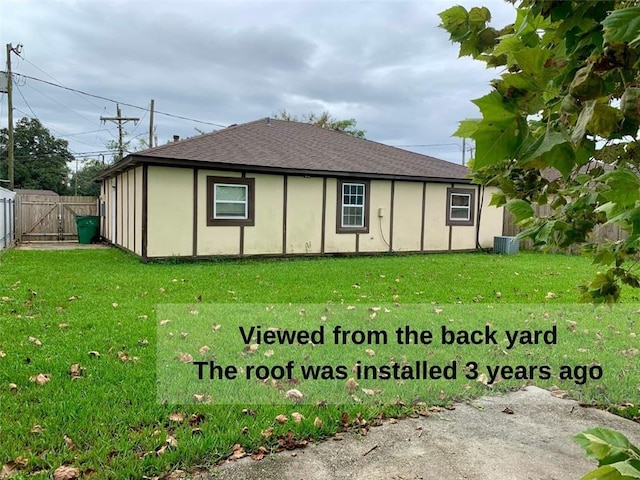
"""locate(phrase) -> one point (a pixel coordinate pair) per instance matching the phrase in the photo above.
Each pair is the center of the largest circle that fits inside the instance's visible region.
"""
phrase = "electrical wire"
(157, 112)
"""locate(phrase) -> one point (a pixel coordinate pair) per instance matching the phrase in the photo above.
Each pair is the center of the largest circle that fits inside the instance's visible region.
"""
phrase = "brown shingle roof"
(277, 145)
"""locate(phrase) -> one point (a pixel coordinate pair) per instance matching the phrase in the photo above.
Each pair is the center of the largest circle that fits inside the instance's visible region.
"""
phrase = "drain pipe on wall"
(480, 204)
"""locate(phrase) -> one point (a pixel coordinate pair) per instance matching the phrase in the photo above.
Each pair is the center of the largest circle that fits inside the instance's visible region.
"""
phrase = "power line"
(146, 109)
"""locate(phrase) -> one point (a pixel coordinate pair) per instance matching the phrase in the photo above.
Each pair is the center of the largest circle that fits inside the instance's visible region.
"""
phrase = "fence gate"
(49, 217)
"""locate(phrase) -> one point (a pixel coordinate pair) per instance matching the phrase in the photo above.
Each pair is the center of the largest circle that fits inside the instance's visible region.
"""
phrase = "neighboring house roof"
(30, 191)
(277, 146)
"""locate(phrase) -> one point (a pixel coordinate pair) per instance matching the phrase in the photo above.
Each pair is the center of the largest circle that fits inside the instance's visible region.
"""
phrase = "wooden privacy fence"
(7, 218)
(50, 217)
(600, 234)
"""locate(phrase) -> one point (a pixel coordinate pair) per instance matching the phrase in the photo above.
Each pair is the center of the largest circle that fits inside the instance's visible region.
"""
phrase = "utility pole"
(464, 146)
(120, 120)
(151, 123)
(10, 156)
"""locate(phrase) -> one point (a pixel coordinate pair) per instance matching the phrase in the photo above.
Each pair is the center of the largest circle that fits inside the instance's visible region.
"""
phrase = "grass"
(56, 307)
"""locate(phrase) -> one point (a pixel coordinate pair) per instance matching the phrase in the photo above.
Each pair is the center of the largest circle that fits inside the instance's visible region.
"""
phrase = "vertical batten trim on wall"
(251, 200)
(145, 208)
(121, 186)
(194, 251)
(424, 212)
(135, 205)
(357, 243)
(393, 193)
(324, 213)
(448, 206)
(128, 212)
(284, 216)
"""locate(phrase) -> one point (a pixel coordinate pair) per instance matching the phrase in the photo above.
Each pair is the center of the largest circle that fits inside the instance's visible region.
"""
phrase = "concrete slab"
(60, 245)
(476, 441)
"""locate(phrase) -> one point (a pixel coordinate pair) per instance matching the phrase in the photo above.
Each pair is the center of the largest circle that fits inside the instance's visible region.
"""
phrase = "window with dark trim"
(230, 201)
(352, 215)
(460, 206)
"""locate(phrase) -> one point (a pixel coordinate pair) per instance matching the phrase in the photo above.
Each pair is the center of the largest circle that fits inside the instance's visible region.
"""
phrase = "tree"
(40, 158)
(570, 84)
(324, 120)
(82, 182)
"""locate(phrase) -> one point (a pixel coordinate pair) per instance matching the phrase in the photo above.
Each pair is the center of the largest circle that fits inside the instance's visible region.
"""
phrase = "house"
(273, 187)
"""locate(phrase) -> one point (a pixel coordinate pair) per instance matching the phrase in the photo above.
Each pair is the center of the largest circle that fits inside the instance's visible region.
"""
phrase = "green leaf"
(550, 150)
(604, 120)
(498, 199)
(494, 108)
(580, 130)
(520, 209)
(606, 472)
(455, 20)
(467, 128)
(622, 25)
(532, 61)
(624, 187)
(603, 444)
(496, 142)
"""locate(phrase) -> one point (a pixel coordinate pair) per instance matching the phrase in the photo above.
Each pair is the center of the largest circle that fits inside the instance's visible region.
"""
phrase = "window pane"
(235, 210)
(460, 213)
(460, 200)
(352, 217)
(231, 192)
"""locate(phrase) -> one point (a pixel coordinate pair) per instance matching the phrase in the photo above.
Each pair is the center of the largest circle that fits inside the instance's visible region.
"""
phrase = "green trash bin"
(88, 228)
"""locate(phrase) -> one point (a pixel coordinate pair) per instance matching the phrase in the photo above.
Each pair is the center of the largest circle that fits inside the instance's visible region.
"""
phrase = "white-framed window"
(460, 206)
(352, 211)
(230, 201)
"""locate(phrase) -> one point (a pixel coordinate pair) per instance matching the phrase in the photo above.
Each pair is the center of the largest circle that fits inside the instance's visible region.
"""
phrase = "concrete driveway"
(476, 441)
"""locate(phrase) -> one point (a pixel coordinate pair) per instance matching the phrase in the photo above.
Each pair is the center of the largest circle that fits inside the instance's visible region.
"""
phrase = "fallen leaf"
(351, 307)
(186, 358)
(196, 431)
(318, 423)
(438, 310)
(351, 384)
(267, 433)
(572, 326)
(508, 411)
(69, 443)
(259, 454)
(249, 411)
(483, 379)
(369, 391)
(41, 378)
(282, 419)
(36, 429)
(629, 352)
(550, 295)
(442, 395)
(184, 335)
(63, 325)
(73, 298)
(176, 417)
(215, 327)
(171, 441)
(204, 349)
(94, 353)
(269, 353)
(203, 398)
(114, 305)
(237, 452)
(75, 371)
(196, 419)
(143, 343)
(559, 393)
(393, 421)
(294, 394)
(160, 450)
(2, 354)
(370, 352)
(13, 387)
(35, 341)
(164, 322)
(297, 417)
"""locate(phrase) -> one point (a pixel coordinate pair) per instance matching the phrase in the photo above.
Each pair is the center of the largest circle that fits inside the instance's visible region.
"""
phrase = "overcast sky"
(384, 63)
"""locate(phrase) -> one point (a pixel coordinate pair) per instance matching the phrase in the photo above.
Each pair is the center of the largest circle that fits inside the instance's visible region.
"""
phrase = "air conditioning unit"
(506, 245)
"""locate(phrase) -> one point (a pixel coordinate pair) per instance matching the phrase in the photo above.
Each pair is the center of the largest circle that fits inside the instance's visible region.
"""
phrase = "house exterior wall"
(304, 215)
(163, 213)
(265, 237)
(169, 212)
(491, 219)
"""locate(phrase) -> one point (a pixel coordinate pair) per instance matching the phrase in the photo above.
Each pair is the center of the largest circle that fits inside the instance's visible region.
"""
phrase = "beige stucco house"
(272, 187)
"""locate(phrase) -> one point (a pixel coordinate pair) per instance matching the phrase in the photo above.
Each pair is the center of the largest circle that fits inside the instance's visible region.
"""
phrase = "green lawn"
(115, 421)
